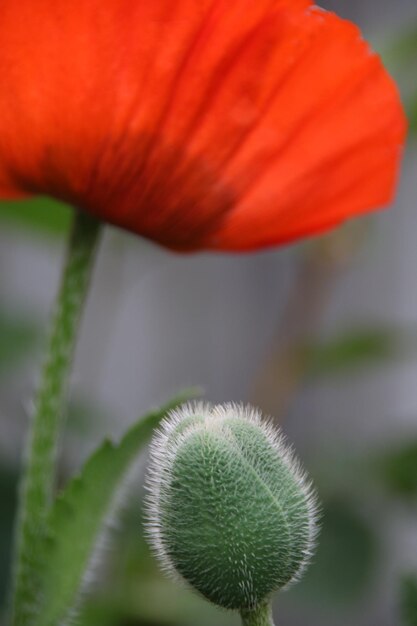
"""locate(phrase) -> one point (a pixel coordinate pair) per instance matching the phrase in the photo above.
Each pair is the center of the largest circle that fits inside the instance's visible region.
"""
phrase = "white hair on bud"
(163, 455)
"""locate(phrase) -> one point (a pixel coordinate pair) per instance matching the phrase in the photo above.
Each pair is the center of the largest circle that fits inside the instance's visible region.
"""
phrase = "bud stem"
(39, 473)
(260, 616)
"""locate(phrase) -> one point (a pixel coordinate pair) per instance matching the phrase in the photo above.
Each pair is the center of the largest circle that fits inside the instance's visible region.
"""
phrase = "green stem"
(260, 616)
(39, 472)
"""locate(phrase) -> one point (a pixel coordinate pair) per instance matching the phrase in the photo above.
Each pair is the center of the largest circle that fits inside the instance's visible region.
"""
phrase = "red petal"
(218, 124)
(326, 148)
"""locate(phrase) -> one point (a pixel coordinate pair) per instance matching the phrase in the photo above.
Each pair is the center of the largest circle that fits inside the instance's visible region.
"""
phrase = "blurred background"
(322, 335)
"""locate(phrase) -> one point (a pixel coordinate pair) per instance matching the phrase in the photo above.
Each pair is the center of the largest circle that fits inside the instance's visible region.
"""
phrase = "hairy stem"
(39, 472)
(260, 616)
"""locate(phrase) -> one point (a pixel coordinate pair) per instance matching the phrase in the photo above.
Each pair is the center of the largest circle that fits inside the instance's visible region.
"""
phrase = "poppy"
(200, 124)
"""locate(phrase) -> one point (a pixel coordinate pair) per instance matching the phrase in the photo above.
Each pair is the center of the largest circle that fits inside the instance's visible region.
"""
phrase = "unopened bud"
(229, 508)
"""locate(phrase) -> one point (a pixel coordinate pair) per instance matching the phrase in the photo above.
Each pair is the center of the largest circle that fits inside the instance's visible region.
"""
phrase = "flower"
(200, 124)
(229, 509)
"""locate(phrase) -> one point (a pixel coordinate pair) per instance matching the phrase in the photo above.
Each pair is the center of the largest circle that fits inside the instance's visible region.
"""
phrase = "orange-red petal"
(209, 124)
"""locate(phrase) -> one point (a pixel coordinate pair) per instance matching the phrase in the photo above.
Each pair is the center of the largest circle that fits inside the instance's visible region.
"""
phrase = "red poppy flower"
(197, 123)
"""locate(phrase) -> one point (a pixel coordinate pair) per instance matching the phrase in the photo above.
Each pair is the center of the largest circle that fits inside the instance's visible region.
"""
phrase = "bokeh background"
(322, 335)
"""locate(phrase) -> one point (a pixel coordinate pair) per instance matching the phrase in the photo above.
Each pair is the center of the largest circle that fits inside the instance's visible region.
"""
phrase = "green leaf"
(399, 470)
(80, 515)
(40, 214)
(354, 349)
(409, 601)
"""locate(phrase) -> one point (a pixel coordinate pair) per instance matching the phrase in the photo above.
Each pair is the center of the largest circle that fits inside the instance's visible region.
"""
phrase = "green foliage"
(402, 57)
(8, 481)
(40, 214)
(409, 601)
(404, 49)
(17, 338)
(83, 416)
(345, 561)
(399, 470)
(355, 349)
(39, 477)
(230, 511)
(79, 517)
(133, 592)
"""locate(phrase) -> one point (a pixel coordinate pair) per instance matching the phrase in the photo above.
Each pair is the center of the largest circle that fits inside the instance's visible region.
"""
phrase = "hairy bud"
(229, 508)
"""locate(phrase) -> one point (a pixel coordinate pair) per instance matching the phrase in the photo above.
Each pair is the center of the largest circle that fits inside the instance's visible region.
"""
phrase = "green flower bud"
(229, 509)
